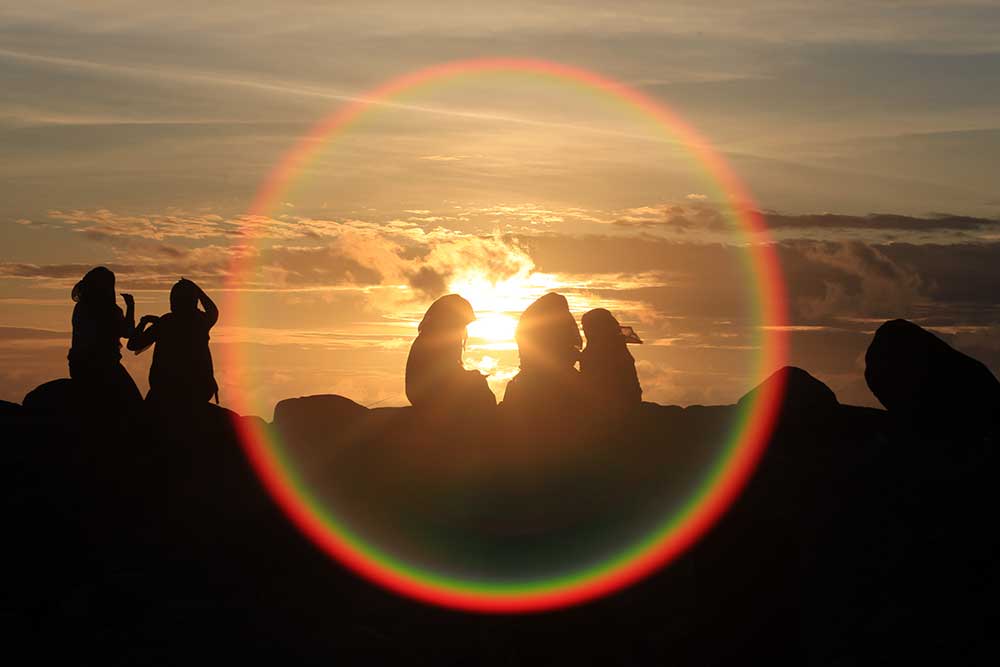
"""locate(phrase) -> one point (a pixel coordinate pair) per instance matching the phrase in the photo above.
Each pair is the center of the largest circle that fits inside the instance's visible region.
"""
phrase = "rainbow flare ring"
(748, 438)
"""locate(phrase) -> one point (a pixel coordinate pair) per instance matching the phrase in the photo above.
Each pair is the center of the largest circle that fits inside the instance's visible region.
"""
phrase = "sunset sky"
(137, 136)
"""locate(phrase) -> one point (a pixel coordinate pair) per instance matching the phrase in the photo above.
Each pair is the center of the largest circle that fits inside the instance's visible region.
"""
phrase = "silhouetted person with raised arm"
(98, 327)
(182, 372)
(607, 368)
(548, 343)
(435, 377)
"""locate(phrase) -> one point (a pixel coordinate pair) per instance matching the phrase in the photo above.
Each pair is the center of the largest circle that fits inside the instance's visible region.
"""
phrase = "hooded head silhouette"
(547, 335)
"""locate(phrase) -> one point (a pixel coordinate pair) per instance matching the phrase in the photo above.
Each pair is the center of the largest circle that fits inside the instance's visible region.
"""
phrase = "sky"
(137, 136)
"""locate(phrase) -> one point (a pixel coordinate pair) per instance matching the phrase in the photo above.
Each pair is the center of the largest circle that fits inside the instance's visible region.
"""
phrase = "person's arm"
(211, 310)
(128, 328)
(145, 334)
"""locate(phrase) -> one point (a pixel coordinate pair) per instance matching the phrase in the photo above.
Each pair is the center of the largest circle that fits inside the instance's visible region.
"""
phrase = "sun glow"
(580, 579)
(499, 302)
(497, 328)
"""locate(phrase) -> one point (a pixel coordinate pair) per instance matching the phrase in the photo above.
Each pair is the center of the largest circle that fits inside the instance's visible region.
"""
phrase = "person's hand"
(193, 284)
(128, 299)
(152, 319)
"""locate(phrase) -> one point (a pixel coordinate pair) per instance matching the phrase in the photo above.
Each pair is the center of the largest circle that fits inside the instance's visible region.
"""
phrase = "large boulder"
(54, 398)
(322, 416)
(803, 397)
(924, 381)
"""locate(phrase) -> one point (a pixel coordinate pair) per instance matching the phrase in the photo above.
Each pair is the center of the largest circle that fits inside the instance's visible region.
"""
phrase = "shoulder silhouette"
(548, 344)
(435, 376)
(182, 370)
(95, 353)
(607, 368)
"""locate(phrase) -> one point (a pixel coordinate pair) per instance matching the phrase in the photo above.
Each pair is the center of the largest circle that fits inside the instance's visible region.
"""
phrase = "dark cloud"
(429, 282)
(680, 217)
(324, 265)
(55, 271)
(878, 222)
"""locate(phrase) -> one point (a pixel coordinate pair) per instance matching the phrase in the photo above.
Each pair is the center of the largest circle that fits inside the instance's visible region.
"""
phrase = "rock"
(322, 415)
(924, 381)
(8, 409)
(54, 398)
(805, 398)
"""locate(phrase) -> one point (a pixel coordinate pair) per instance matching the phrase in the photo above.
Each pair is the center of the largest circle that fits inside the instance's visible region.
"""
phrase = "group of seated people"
(181, 373)
(549, 345)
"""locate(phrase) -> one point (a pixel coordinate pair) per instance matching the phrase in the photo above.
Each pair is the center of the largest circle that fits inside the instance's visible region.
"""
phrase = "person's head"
(547, 334)
(447, 318)
(97, 286)
(183, 296)
(601, 328)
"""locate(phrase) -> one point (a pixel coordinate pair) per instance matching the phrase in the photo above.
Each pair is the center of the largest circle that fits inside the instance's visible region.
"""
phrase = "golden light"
(494, 328)
(499, 303)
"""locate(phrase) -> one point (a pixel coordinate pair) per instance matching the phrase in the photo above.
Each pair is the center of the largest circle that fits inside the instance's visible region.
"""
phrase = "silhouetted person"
(98, 327)
(182, 370)
(607, 368)
(435, 376)
(548, 343)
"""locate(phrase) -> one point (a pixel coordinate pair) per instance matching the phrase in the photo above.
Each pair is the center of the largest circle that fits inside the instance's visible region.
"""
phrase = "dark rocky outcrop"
(923, 380)
(54, 398)
(802, 395)
(857, 540)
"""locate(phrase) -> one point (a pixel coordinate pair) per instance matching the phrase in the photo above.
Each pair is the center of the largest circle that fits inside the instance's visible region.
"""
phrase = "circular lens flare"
(720, 485)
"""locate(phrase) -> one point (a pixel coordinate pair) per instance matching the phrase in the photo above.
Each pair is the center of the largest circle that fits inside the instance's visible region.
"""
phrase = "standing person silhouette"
(607, 368)
(548, 344)
(435, 376)
(181, 372)
(98, 327)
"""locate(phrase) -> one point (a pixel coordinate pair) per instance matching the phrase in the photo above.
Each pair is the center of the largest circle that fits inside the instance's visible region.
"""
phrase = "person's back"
(548, 343)
(435, 377)
(182, 371)
(97, 330)
(95, 351)
(607, 368)
(182, 361)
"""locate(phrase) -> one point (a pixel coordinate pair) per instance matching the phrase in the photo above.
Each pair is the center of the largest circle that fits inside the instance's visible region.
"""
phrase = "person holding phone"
(98, 327)
(182, 371)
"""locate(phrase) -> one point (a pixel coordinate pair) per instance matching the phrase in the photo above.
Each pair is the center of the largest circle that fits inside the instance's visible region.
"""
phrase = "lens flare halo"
(723, 483)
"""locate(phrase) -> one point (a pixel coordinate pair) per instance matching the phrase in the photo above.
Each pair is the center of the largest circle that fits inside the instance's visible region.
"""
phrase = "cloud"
(879, 222)
(691, 300)
(851, 279)
(693, 215)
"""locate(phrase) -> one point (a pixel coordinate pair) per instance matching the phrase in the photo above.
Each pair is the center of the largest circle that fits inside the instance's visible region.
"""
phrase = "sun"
(498, 303)
(493, 327)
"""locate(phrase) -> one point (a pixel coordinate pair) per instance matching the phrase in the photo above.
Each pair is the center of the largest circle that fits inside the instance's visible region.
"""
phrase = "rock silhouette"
(858, 540)
(923, 380)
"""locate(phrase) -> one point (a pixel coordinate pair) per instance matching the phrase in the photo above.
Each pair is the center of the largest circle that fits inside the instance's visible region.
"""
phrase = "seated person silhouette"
(436, 380)
(607, 368)
(548, 343)
(181, 371)
(98, 327)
